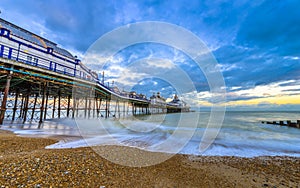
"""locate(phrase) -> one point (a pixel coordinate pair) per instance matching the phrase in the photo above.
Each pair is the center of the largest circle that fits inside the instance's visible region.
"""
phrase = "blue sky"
(256, 43)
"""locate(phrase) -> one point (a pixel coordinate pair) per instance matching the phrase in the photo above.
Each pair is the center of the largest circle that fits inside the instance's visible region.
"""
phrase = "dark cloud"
(273, 26)
(249, 67)
(255, 42)
(80, 23)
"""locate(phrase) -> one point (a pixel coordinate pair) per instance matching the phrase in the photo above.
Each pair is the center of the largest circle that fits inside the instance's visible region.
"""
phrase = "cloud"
(273, 26)
(249, 67)
(263, 91)
(160, 63)
(256, 43)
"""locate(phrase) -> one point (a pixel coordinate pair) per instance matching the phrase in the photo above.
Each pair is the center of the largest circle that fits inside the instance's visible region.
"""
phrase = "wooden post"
(119, 110)
(89, 112)
(99, 108)
(124, 108)
(4, 99)
(74, 106)
(94, 106)
(115, 115)
(26, 104)
(34, 104)
(22, 104)
(132, 108)
(59, 97)
(43, 103)
(127, 109)
(106, 108)
(68, 108)
(15, 105)
(85, 106)
(46, 107)
(298, 123)
(53, 109)
(77, 106)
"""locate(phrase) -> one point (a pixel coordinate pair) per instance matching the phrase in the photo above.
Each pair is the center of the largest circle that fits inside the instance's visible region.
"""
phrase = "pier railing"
(55, 64)
(52, 63)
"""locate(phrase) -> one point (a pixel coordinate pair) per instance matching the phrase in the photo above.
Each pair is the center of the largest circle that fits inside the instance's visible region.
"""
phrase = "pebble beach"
(24, 162)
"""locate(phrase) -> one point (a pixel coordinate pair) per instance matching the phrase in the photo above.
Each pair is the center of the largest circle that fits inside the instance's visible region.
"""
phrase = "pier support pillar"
(85, 106)
(119, 112)
(116, 109)
(43, 104)
(89, 107)
(59, 108)
(46, 106)
(74, 106)
(124, 109)
(4, 99)
(34, 104)
(53, 109)
(15, 105)
(98, 105)
(132, 108)
(68, 108)
(26, 104)
(106, 108)
(22, 104)
(94, 106)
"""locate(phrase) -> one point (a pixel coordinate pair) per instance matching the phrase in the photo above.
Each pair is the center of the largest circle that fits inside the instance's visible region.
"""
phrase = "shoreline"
(25, 161)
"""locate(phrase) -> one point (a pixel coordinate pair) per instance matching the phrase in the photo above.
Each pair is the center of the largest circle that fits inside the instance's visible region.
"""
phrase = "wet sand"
(25, 163)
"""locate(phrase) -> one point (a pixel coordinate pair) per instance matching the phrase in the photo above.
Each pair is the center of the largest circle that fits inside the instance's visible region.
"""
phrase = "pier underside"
(34, 94)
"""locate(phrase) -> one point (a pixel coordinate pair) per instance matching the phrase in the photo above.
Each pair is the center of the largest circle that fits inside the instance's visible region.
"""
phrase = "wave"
(239, 135)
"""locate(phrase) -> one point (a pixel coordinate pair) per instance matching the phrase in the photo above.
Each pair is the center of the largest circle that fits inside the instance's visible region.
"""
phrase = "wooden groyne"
(288, 123)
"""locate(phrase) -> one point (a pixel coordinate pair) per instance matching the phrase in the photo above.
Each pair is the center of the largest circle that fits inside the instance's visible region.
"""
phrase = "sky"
(256, 44)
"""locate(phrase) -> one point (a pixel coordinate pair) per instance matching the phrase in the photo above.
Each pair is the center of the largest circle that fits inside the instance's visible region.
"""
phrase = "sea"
(241, 134)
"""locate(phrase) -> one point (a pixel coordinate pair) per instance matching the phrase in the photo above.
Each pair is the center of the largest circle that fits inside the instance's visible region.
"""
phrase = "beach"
(25, 163)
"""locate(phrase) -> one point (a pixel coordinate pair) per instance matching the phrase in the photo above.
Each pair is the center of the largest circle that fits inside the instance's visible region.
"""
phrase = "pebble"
(28, 164)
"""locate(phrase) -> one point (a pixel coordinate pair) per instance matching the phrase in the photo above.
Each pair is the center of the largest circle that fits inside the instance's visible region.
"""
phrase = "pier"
(39, 80)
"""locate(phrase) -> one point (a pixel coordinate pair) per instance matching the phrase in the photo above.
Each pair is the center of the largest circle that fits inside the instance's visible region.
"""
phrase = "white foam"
(238, 136)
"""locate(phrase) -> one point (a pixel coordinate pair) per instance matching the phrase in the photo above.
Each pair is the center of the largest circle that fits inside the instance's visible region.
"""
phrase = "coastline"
(24, 161)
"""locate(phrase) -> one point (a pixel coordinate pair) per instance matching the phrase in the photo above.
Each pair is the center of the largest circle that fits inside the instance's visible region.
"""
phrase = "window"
(29, 59)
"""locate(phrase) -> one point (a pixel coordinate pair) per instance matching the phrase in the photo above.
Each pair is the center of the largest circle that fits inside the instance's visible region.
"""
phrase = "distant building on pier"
(158, 100)
(177, 105)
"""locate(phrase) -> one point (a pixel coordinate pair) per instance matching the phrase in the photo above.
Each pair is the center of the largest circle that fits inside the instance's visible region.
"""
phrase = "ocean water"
(241, 134)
